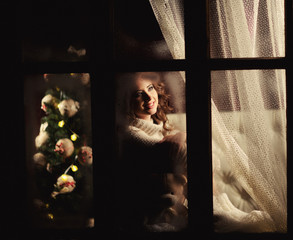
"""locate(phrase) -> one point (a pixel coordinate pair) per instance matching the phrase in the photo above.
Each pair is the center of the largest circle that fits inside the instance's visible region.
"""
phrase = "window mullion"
(198, 118)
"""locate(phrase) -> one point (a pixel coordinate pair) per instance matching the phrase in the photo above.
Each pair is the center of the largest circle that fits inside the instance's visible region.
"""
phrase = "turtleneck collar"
(149, 127)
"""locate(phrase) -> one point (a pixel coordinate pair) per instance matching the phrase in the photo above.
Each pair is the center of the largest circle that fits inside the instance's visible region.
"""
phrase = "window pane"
(249, 150)
(148, 29)
(246, 29)
(55, 32)
(58, 150)
(151, 165)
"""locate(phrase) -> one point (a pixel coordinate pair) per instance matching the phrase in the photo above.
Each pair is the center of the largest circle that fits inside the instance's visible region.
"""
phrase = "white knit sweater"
(147, 132)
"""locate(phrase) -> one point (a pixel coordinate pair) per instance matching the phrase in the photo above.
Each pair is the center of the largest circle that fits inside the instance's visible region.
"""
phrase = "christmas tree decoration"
(61, 123)
(43, 136)
(64, 147)
(73, 137)
(65, 184)
(50, 216)
(68, 107)
(41, 139)
(43, 127)
(85, 155)
(63, 180)
(48, 100)
(74, 168)
(78, 52)
(39, 159)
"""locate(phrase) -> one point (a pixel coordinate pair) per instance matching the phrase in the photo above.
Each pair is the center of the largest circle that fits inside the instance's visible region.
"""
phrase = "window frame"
(198, 97)
(212, 64)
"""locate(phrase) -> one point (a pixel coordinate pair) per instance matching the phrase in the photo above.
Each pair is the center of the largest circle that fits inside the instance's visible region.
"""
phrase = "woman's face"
(145, 99)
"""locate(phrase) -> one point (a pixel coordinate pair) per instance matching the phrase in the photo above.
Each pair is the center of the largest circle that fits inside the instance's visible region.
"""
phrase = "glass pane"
(148, 29)
(151, 152)
(58, 150)
(55, 32)
(246, 29)
(249, 150)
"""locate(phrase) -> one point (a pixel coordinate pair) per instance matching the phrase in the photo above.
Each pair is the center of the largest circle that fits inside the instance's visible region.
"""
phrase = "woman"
(150, 147)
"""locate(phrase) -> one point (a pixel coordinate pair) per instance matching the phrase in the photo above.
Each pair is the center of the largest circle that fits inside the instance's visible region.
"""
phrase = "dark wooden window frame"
(102, 68)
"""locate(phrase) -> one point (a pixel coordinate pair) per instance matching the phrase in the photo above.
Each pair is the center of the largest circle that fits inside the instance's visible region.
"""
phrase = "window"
(58, 150)
(255, 131)
(255, 102)
(57, 117)
(204, 66)
(56, 32)
(151, 153)
(223, 66)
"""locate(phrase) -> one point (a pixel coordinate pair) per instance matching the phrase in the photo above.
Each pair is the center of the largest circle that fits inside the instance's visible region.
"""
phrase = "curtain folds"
(246, 29)
(249, 111)
(248, 108)
(170, 16)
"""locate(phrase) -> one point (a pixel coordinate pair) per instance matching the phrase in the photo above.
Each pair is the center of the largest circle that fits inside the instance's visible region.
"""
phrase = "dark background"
(35, 36)
(48, 28)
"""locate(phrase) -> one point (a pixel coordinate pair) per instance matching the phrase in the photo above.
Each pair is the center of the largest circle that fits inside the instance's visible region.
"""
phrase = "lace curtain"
(170, 16)
(245, 28)
(248, 108)
(249, 113)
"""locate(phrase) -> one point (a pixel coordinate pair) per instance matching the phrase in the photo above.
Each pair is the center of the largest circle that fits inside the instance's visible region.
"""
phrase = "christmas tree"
(63, 159)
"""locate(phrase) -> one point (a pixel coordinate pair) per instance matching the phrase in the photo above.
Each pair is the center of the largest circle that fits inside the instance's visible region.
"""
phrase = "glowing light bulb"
(61, 123)
(50, 216)
(73, 137)
(74, 168)
(64, 177)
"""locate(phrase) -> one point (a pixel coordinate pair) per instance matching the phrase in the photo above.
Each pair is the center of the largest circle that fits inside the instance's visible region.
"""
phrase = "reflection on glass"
(246, 29)
(151, 153)
(56, 36)
(158, 33)
(249, 150)
(58, 150)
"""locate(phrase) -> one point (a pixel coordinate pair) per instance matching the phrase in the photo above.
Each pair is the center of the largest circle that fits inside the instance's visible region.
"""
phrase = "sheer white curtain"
(245, 28)
(248, 109)
(170, 16)
(249, 113)
(251, 140)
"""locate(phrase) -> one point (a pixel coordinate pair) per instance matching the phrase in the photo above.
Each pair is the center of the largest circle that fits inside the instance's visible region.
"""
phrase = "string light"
(61, 123)
(50, 216)
(64, 177)
(73, 137)
(74, 168)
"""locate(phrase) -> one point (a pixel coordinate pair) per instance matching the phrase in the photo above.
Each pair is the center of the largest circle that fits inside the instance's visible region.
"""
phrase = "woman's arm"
(177, 140)
(175, 144)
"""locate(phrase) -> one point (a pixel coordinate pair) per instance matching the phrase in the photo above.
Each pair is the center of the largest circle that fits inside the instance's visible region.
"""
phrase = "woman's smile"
(150, 105)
